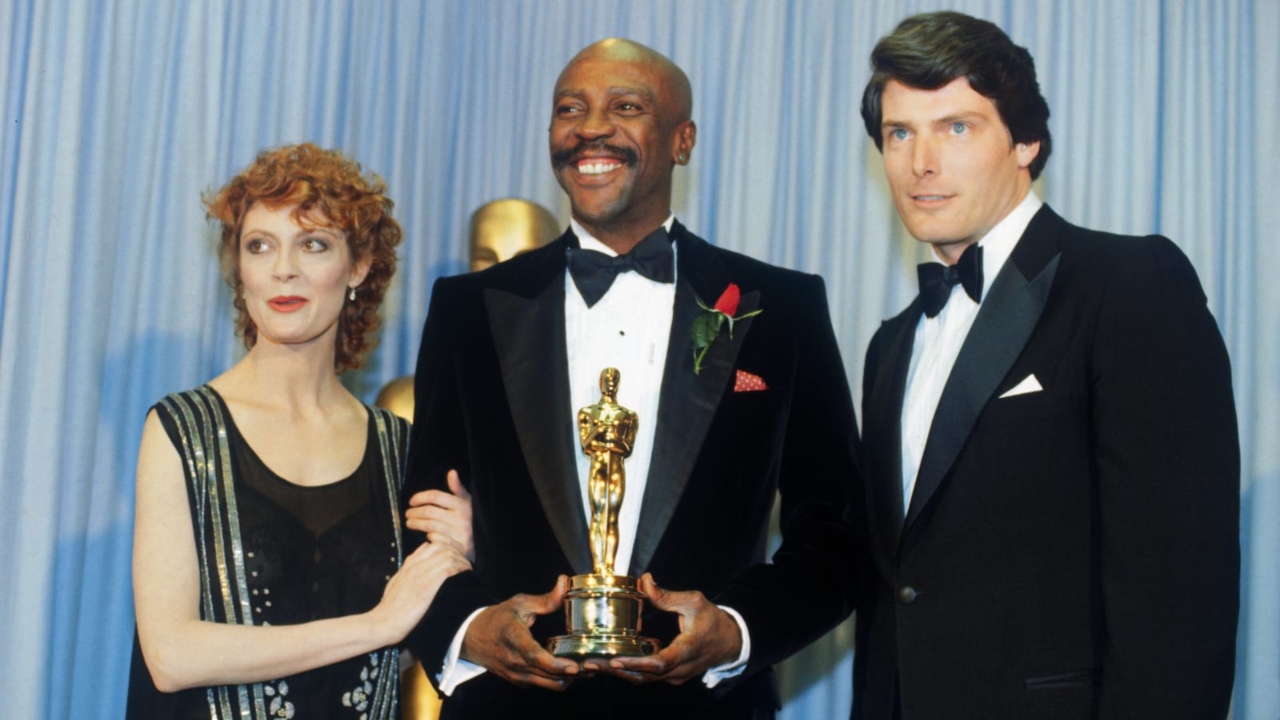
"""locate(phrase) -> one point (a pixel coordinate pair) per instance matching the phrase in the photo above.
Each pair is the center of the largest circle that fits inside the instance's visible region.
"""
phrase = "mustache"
(568, 156)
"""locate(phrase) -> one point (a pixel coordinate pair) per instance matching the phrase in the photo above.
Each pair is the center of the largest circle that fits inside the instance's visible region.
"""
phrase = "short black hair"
(929, 50)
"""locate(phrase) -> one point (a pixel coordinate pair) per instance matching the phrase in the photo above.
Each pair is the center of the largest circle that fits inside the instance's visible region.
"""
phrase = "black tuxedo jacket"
(492, 400)
(1067, 553)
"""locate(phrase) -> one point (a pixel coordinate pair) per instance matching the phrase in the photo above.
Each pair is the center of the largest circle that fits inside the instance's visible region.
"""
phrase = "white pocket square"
(1028, 385)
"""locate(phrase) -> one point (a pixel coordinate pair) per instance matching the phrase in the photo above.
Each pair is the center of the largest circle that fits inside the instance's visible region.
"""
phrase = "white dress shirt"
(628, 329)
(938, 341)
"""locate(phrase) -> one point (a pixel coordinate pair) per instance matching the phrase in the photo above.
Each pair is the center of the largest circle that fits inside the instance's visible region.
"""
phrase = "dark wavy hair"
(929, 50)
(330, 191)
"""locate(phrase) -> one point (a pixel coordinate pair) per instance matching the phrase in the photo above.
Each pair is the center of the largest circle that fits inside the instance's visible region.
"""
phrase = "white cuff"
(456, 670)
(714, 676)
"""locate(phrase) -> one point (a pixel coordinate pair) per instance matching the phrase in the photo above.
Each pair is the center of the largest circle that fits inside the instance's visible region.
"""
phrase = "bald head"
(673, 80)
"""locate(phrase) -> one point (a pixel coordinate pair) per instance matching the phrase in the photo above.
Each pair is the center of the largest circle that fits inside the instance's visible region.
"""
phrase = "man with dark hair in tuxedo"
(732, 369)
(1051, 453)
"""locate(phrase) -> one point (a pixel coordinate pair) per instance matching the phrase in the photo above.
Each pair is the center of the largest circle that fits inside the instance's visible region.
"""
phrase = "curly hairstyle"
(929, 50)
(328, 190)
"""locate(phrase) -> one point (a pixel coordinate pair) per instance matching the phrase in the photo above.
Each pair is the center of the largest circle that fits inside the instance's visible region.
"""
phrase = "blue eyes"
(958, 127)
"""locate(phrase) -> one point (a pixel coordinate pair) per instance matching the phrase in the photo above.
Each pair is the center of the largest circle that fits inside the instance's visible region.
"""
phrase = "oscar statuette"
(602, 610)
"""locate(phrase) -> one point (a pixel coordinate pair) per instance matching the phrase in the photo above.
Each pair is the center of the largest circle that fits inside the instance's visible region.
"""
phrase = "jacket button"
(906, 594)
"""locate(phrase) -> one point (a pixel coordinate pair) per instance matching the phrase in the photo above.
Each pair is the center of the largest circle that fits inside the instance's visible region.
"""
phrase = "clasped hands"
(499, 640)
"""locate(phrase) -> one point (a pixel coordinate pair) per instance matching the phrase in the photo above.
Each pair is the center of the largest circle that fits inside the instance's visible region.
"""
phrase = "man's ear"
(686, 136)
(1027, 153)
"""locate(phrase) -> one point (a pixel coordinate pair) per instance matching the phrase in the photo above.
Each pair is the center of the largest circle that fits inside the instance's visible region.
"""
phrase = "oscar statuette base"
(602, 613)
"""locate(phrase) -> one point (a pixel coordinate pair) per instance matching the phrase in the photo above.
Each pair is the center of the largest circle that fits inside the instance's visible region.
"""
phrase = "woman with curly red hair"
(269, 578)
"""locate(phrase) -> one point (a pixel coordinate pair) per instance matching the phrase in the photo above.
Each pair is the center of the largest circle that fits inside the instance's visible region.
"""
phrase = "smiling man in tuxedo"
(510, 354)
(1050, 434)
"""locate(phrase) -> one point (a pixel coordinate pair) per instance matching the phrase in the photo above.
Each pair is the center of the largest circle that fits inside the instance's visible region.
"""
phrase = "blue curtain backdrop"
(116, 115)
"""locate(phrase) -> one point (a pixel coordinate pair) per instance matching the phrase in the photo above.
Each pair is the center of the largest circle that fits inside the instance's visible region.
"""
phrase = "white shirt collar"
(997, 245)
(587, 241)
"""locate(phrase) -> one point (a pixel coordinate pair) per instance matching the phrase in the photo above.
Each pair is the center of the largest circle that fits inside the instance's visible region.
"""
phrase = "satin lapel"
(529, 337)
(687, 402)
(1009, 313)
(884, 412)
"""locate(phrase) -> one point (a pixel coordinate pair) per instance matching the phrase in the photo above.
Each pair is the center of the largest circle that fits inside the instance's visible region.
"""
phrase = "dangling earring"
(352, 295)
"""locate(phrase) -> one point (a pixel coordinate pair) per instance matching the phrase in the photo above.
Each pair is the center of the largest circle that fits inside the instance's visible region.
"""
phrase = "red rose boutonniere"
(706, 327)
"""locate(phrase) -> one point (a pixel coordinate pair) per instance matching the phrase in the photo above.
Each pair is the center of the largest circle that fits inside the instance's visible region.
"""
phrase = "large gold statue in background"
(503, 229)
(608, 433)
(602, 610)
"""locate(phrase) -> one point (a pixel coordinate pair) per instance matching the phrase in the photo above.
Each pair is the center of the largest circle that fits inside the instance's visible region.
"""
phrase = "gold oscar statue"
(602, 610)
(503, 229)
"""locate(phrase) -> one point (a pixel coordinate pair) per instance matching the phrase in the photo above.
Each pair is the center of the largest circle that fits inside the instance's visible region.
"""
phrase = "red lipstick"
(286, 303)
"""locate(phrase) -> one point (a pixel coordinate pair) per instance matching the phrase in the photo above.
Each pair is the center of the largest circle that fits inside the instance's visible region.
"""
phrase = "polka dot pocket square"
(747, 382)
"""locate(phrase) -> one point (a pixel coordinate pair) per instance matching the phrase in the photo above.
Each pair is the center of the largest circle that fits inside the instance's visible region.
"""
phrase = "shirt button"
(906, 594)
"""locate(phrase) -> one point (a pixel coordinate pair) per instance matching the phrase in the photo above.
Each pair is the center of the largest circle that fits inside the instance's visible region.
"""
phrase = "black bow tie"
(593, 272)
(936, 280)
